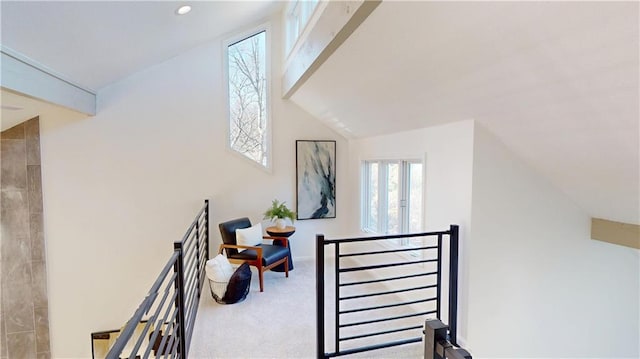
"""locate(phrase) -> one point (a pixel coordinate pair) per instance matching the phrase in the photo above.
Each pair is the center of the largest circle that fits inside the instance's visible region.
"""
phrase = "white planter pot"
(280, 223)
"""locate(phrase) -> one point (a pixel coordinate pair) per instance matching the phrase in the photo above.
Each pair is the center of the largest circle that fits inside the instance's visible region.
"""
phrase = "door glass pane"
(372, 218)
(415, 197)
(393, 198)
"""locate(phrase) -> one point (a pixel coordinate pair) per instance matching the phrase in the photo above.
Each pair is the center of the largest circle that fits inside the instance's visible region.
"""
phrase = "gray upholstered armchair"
(262, 256)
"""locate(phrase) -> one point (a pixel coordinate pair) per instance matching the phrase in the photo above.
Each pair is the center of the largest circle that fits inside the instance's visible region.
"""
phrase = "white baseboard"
(462, 342)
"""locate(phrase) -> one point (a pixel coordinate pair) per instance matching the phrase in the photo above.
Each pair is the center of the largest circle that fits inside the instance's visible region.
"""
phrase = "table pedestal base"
(280, 268)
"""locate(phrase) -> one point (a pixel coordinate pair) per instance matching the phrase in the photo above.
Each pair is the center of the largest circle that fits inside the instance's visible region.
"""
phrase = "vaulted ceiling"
(557, 82)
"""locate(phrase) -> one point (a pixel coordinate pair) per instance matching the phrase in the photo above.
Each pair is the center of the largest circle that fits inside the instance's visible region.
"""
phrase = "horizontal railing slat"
(386, 265)
(131, 325)
(164, 319)
(373, 347)
(388, 292)
(388, 279)
(386, 319)
(364, 309)
(178, 302)
(193, 224)
(360, 336)
(387, 251)
(391, 236)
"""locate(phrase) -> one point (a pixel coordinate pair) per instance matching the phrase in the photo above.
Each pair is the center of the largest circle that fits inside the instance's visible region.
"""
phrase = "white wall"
(447, 153)
(538, 285)
(120, 187)
(532, 282)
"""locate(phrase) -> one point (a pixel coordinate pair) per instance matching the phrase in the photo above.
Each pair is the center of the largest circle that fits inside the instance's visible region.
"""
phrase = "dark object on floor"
(238, 286)
(262, 256)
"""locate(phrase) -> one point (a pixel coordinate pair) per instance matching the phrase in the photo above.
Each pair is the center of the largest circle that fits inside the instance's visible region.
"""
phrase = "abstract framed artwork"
(316, 179)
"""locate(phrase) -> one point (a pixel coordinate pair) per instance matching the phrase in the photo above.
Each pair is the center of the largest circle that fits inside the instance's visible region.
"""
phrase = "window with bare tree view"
(248, 96)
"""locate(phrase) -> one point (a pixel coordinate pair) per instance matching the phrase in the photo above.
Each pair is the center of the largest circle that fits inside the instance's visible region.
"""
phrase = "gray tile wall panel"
(24, 315)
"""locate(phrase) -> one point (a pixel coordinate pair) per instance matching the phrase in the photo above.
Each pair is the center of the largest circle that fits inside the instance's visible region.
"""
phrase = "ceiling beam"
(624, 234)
(336, 21)
(25, 76)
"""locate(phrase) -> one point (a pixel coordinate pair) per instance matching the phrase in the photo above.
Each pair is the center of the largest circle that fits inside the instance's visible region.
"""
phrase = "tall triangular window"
(248, 94)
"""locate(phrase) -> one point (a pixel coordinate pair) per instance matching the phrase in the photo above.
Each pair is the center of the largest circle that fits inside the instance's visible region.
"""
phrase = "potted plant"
(278, 212)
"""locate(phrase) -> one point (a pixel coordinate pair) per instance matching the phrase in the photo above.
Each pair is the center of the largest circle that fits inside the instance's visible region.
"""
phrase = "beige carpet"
(278, 323)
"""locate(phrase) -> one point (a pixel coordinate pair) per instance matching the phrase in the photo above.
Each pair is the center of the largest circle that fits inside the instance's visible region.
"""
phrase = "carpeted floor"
(278, 323)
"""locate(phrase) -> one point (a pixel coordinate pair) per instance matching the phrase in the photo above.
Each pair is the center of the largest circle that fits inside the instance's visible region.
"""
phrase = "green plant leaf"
(279, 210)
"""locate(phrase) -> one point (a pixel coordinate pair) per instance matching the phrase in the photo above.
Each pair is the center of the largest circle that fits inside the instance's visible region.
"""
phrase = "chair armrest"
(283, 240)
(239, 246)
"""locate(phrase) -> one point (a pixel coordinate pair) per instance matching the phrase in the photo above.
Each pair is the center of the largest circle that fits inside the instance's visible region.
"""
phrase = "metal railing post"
(337, 297)
(434, 332)
(436, 345)
(320, 296)
(198, 273)
(179, 269)
(453, 285)
(439, 278)
(206, 228)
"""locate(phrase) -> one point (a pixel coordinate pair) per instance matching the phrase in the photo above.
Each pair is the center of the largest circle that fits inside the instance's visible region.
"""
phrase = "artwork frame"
(315, 179)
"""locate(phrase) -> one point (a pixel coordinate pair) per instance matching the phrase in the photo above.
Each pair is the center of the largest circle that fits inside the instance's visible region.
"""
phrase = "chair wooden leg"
(260, 273)
(286, 267)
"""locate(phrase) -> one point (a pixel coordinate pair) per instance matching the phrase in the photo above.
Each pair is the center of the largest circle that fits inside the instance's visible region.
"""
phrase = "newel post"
(320, 296)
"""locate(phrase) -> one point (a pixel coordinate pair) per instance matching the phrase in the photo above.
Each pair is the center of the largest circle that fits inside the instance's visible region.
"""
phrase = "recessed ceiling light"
(182, 10)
